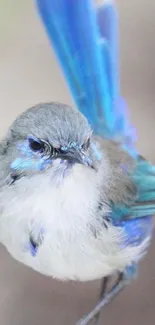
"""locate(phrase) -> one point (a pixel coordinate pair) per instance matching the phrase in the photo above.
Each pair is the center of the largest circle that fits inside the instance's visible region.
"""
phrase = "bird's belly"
(62, 222)
(74, 255)
(65, 259)
(68, 261)
(66, 215)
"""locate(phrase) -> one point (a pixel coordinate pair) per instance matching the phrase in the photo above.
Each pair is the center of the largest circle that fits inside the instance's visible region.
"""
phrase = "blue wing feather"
(144, 205)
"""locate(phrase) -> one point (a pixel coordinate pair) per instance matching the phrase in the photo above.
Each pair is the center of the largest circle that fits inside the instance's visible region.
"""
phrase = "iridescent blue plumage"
(135, 230)
(85, 39)
(88, 54)
(81, 57)
(107, 19)
(29, 160)
(112, 226)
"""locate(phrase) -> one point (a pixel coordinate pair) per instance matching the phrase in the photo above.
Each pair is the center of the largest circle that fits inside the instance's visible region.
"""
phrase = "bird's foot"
(122, 281)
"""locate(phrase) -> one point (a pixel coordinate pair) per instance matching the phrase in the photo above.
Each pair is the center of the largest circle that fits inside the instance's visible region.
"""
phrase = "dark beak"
(76, 156)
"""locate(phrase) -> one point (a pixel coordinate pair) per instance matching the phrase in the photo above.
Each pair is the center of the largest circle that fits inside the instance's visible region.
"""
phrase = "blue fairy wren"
(62, 193)
(76, 198)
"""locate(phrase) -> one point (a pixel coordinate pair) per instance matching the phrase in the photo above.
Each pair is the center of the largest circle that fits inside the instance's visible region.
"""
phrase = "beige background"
(29, 74)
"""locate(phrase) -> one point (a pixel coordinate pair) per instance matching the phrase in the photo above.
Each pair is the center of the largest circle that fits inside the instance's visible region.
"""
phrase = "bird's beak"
(76, 156)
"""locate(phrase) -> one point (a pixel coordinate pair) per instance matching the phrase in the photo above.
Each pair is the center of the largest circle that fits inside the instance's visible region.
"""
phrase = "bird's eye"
(42, 146)
(86, 145)
(36, 145)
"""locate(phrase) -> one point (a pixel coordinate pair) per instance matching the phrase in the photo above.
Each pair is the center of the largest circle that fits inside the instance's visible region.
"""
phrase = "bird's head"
(48, 136)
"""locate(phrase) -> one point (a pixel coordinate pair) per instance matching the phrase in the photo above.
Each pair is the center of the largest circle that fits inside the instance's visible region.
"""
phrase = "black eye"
(35, 145)
(86, 145)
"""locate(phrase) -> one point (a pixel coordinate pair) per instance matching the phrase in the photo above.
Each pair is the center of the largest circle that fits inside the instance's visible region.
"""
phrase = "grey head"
(43, 134)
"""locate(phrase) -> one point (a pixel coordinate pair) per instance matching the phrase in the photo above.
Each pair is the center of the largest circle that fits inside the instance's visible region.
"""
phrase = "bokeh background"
(30, 74)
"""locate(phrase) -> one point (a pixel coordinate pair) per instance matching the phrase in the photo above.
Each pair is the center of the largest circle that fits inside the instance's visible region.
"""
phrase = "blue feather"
(80, 55)
(135, 231)
(86, 43)
(107, 18)
(28, 159)
(85, 40)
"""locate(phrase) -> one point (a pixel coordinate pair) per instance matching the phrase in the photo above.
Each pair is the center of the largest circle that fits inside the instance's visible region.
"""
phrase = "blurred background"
(30, 74)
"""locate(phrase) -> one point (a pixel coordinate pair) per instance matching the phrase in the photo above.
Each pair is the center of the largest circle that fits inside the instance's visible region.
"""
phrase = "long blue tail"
(85, 40)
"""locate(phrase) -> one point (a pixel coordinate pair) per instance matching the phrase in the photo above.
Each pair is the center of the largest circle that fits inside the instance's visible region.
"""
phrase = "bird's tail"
(85, 39)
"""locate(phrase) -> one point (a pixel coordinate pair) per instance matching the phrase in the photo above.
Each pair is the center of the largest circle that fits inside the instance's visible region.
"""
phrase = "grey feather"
(61, 124)
(55, 122)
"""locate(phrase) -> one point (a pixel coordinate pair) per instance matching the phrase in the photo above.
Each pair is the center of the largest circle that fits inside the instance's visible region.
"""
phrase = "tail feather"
(85, 40)
(73, 31)
(107, 18)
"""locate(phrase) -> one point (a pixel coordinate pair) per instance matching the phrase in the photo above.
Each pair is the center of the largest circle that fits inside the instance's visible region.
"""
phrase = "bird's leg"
(104, 283)
(106, 299)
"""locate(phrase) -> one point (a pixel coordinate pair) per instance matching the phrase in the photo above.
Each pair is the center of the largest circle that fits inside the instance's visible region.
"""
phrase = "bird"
(76, 198)
(60, 189)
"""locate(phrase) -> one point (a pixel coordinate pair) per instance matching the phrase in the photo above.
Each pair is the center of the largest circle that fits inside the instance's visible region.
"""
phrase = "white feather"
(65, 207)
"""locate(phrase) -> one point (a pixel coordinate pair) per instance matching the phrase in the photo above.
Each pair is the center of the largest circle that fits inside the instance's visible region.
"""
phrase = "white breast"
(66, 211)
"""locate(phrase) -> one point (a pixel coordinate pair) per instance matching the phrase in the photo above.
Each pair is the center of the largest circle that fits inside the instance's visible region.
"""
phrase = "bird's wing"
(135, 216)
(144, 179)
(131, 187)
(85, 40)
